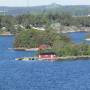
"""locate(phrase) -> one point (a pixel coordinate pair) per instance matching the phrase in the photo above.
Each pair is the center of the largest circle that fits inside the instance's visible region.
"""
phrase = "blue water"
(40, 75)
(78, 37)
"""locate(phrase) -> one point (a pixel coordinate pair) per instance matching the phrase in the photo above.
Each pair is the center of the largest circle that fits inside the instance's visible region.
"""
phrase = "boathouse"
(47, 56)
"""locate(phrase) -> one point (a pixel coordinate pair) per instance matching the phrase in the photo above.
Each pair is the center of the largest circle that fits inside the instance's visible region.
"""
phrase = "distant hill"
(77, 10)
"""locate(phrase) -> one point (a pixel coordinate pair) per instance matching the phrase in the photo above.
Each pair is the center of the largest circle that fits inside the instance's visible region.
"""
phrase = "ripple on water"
(39, 75)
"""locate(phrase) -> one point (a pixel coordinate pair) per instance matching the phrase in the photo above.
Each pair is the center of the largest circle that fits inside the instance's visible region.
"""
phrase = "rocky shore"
(74, 57)
(83, 57)
(65, 29)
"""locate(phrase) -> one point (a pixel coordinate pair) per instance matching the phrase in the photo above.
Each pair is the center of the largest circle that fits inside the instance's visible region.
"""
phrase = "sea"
(41, 75)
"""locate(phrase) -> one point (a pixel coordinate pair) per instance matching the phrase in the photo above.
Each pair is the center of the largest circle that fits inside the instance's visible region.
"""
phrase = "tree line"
(12, 23)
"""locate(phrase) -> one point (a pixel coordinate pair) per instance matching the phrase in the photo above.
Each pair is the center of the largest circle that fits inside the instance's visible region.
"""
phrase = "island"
(47, 34)
(51, 45)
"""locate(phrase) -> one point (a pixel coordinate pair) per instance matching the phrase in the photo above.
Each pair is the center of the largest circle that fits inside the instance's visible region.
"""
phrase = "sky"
(42, 2)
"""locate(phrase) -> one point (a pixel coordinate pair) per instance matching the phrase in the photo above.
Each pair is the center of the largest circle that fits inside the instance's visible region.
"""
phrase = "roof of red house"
(43, 46)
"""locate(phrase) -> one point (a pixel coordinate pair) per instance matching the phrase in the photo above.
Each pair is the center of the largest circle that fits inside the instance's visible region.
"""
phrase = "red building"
(43, 47)
(47, 56)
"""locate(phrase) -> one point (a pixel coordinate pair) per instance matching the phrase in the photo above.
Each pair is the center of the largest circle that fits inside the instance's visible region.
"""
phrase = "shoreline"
(74, 57)
(67, 29)
(74, 31)
(6, 34)
(24, 49)
(57, 59)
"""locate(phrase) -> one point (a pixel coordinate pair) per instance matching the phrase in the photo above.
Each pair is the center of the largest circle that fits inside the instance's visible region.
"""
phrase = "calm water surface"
(41, 75)
(78, 37)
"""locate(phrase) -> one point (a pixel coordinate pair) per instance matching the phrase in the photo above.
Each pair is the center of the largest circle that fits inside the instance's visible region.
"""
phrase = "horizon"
(44, 5)
(29, 3)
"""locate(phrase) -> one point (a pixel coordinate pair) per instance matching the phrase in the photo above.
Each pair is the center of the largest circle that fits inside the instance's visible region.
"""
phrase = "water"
(6, 42)
(78, 37)
(40, 75)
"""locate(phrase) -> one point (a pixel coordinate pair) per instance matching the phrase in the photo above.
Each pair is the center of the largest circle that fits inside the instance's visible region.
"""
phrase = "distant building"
(39, 28)
(42, 28)
(19, 26)
(3, 28)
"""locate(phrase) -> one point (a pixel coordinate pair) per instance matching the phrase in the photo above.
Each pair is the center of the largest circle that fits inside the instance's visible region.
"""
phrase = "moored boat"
(27, 58)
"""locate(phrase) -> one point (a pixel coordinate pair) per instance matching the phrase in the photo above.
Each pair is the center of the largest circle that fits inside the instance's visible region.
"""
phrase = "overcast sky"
(42, 2)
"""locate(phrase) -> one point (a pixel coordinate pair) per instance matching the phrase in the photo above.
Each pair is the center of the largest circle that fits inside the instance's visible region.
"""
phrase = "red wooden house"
(47, 56)
(43, 47)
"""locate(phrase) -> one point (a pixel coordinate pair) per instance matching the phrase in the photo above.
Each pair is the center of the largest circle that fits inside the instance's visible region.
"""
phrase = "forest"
(15, 24)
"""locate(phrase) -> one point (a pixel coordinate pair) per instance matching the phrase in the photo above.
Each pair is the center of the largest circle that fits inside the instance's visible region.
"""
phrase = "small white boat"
(27, 58)
(87, 39)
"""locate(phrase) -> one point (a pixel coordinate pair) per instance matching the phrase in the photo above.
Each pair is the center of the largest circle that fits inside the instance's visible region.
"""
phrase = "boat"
(27, 58)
